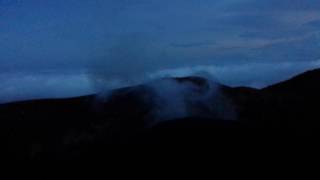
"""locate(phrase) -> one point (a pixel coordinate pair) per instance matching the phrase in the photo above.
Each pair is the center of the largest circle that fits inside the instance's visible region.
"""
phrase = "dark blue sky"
(70, 47)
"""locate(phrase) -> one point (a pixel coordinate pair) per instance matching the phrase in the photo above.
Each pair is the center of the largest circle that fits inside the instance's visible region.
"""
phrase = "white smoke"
(193, 97)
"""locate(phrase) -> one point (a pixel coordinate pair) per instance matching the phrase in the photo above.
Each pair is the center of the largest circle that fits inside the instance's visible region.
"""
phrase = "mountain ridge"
(65, 128)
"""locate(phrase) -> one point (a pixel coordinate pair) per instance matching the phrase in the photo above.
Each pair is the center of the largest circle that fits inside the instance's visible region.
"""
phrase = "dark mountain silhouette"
(75, 127)
(295, 103)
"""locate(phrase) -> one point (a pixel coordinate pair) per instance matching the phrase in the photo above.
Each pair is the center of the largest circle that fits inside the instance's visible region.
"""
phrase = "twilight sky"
(59, 48)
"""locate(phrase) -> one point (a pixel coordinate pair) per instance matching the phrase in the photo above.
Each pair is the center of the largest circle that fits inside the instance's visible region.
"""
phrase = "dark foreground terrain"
(85, 126)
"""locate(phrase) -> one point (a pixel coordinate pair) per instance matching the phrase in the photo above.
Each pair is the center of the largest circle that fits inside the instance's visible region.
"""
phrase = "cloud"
(98, 39)
(57, 85)
(298, 18)
(191, 45)
(174, 100)
(274, 5)
(256, 75)
(127, 62)
(21, 86)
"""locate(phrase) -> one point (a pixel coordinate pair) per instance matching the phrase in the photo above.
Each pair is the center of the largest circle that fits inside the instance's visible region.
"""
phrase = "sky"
(66, 48)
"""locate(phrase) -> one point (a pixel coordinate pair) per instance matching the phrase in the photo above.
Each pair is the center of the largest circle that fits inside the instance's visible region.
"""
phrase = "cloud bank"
(74, 47)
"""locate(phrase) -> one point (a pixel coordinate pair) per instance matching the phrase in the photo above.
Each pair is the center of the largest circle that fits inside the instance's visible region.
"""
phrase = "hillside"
(182, 110)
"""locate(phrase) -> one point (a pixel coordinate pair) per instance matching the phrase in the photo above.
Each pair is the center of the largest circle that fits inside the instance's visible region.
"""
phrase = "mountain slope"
(294, 103)
(199, 111)
(305, 82)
